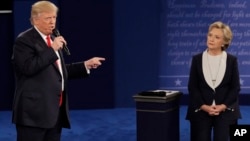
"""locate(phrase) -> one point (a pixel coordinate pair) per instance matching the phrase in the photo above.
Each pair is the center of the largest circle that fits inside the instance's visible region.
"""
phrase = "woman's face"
(215, 39)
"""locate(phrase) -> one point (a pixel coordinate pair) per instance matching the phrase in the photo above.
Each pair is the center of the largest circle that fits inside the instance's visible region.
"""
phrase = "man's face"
(46, 22)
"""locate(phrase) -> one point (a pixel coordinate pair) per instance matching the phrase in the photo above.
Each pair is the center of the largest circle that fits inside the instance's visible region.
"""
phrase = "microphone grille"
(56, 32)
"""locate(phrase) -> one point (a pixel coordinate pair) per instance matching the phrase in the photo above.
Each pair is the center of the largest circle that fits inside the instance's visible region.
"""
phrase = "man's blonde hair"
(40, 7)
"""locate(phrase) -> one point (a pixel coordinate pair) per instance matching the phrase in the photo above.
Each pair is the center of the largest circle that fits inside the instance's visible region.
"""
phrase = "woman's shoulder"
(197, 55)
(232, 56)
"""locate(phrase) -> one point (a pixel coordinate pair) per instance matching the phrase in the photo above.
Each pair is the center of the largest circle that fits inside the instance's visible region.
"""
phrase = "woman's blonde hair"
(227, 33)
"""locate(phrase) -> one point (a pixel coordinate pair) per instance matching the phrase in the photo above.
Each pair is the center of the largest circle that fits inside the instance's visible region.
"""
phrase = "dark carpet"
(117, 124)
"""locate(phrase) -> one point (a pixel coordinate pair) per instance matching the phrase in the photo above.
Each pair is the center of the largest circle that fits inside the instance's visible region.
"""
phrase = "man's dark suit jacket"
(226, 93)
(39, 82)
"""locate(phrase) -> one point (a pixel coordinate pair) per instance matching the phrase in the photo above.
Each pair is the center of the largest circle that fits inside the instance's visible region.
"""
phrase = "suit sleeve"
(76, 70)
(29, 58)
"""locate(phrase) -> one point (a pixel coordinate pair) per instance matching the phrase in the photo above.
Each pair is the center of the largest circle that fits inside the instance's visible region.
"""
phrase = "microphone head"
(55, 32)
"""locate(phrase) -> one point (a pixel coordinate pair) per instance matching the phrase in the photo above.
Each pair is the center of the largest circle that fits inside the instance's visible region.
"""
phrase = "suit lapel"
(207, 73)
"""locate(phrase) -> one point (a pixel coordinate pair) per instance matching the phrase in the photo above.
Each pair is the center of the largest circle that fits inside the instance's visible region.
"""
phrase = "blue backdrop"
(184, 26)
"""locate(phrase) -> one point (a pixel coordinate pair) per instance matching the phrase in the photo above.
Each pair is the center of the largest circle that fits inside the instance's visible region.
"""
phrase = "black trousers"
(27, 133)
(211, 129)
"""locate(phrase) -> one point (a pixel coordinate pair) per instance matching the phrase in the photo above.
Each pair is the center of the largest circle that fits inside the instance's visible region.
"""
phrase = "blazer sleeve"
(193, 84)
(231, 97)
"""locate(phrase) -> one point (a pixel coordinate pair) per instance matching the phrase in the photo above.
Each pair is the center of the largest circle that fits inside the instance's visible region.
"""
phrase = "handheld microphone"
(65, 48)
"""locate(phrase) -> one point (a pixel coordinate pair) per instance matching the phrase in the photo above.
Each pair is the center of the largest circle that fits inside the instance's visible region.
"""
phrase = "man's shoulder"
(27, 32)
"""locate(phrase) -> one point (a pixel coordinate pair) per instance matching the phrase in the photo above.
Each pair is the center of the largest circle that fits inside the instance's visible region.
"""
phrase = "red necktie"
(49, 45)
(48, 41)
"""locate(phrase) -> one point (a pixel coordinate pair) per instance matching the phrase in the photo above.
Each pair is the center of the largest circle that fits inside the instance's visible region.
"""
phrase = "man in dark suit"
(40, 106)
